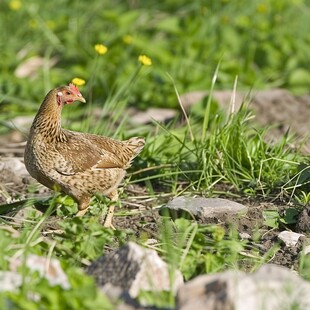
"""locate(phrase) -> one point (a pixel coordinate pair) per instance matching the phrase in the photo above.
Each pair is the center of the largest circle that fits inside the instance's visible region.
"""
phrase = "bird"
(79, 164)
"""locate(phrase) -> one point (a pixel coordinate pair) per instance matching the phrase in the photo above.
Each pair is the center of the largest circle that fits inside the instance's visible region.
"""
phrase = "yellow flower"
(33, 23)
(127, 39)
(15, 5)
(101, 49)
(225, 19)
(144, 60)
(50, 24)
(261, 8)
(78, 82)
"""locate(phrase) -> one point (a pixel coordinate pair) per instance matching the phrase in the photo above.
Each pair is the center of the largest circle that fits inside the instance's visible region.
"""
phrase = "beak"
(81, 98)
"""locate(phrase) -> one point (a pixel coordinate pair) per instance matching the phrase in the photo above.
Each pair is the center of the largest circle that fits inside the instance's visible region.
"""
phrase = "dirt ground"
(273, 107)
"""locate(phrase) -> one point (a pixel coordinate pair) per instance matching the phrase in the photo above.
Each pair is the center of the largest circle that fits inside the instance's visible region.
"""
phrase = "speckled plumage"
(80, 164)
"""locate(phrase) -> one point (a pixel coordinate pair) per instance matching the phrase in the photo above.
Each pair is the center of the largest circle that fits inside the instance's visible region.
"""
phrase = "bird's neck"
(47, 122)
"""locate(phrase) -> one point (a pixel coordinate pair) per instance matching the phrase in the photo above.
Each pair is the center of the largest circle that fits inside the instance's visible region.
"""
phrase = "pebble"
(289, 238)
(203, 208)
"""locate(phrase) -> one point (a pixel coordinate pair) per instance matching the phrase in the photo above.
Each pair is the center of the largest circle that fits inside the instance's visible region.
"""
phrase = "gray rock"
(10, 281)
(244, 236)
(134, 268)
(271, 287)
(306, 250)
(120, 298)
(29, 67)
(203, 208)
(153, 114)
(21, 215)
(48, 268)
(303, 220)
(15, 165)
(289, 238)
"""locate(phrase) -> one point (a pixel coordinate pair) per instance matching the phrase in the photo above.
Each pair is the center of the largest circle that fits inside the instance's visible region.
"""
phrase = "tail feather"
(136, 144)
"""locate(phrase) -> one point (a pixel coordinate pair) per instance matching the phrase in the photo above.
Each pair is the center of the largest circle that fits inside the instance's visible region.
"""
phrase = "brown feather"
(81, 164)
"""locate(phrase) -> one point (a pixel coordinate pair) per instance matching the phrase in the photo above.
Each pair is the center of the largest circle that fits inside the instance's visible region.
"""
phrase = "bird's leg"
(108, 220)
(83, 205)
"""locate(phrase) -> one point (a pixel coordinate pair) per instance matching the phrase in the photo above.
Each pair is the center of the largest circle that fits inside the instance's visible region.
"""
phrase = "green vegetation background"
(265, 43)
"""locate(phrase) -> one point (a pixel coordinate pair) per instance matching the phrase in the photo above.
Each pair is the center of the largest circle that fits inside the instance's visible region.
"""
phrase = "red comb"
(74, 89)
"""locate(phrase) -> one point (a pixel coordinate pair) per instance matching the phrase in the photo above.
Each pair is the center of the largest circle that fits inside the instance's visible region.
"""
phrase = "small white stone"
(244, 236)
(306, 249)
(289, 238)
(50, 269)
(10, 281)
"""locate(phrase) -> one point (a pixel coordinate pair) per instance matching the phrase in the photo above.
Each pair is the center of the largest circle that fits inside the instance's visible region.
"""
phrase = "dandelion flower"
(127, 39)
(144, 60)
(15, 5)
(261, 8)
(101, 49)
(78, 82)
(50, 24)
(33, 24)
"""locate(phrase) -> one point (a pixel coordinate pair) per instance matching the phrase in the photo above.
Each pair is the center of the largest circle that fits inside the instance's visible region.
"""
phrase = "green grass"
(203, 45)
(264, 43)
(228, 151)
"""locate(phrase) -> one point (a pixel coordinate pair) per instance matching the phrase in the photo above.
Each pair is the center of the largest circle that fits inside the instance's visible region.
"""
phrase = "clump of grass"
(229, 151)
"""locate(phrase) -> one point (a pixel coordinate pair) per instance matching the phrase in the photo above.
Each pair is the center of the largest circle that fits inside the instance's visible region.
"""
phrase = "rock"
(10, 281)
(306, 249)
(271, 287)
(30, 67)
(13, 178)
(244, 236)
(47, 268)
(22, 123)
(191, 98)
(160, 115)
(23, 213)
(223, 97)
(15, 165)
(303, 221)
(134, 268)
(290, 238)
(284, 110)
(203, 208)
(120, 298)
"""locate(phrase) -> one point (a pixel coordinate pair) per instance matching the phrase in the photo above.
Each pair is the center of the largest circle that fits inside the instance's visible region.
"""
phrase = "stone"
(271, 287)
(29, 68)
(10, 281)
(306, 249)
(134, 268)
(160, 115)
(303, 220)
(244, 236)
(120, 298)
(203, 208)
(284, 110)
(15, 165)
(48, 268)
(22, 214)
(289, 238)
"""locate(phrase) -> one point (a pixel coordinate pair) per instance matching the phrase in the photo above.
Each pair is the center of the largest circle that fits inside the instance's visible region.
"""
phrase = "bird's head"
(69, 94)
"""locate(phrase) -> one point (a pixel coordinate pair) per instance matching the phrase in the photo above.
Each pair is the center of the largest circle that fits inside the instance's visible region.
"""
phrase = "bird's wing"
(79, 154)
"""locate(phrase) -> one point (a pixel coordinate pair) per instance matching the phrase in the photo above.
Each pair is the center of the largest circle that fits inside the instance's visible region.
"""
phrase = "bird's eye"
(68, 93)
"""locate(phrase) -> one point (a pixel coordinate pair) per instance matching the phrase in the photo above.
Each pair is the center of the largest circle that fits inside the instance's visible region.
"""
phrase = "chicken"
(79, 164)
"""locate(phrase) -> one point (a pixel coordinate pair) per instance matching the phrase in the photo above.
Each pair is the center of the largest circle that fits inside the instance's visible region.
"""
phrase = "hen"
(80, 164)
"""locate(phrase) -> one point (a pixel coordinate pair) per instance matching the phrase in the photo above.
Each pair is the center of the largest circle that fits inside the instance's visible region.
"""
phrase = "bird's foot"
(81, 212)
(108, 220)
